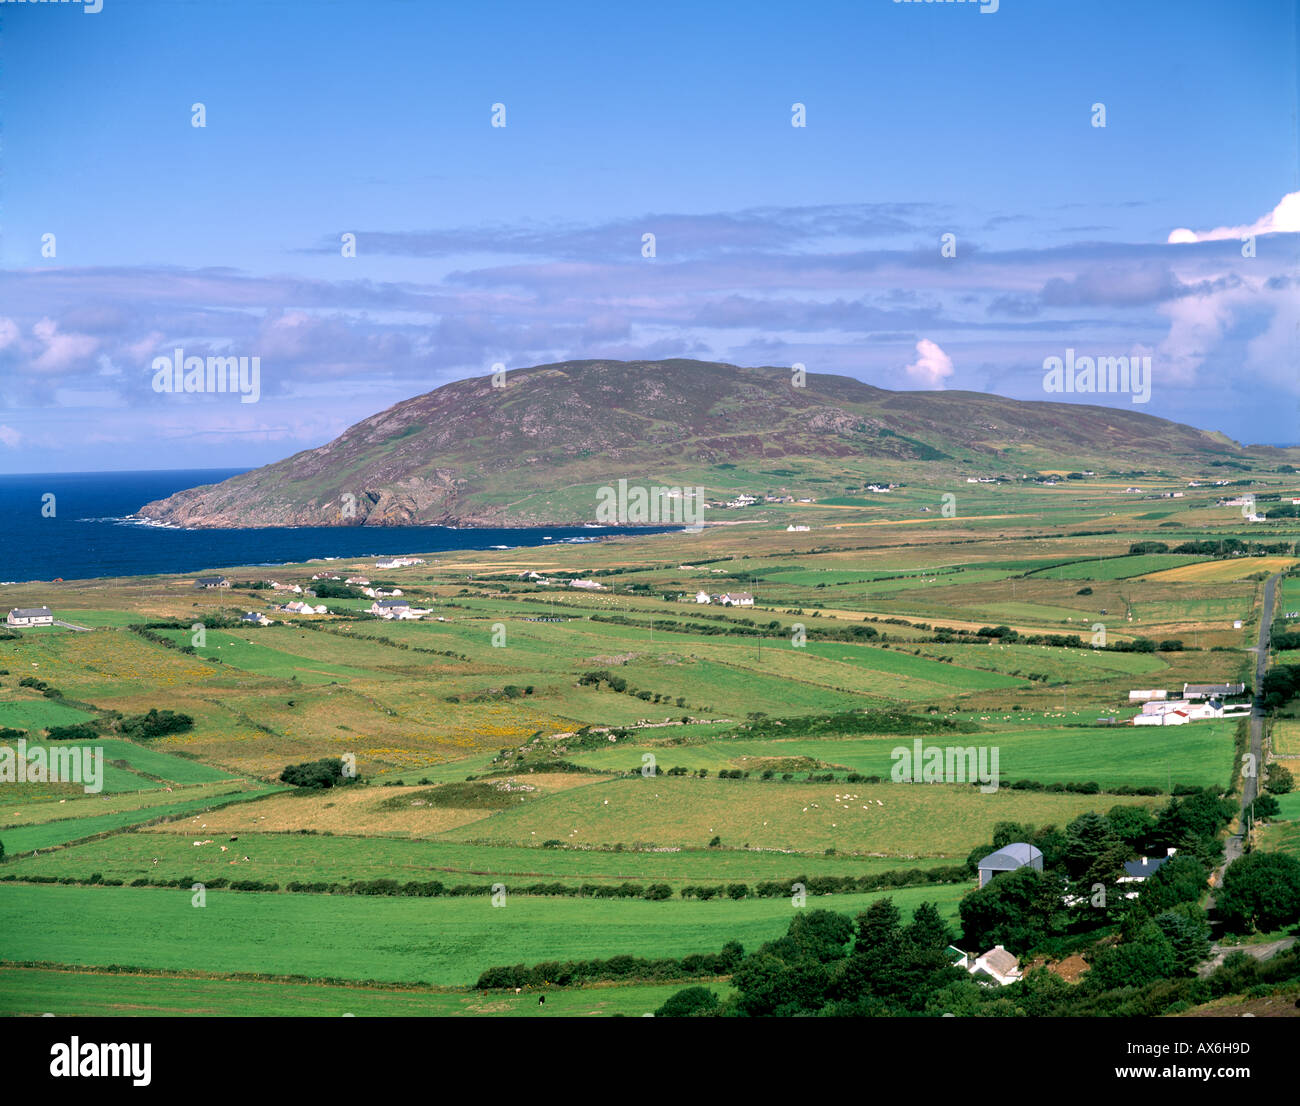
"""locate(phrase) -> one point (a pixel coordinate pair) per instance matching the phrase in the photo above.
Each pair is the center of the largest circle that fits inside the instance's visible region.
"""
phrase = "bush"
(692, 1002)
(1280, 780)
(80, 731)
(316, 774)
(155, 723)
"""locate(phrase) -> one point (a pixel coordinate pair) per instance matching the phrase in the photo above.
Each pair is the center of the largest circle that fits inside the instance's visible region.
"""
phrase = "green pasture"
(442, 941)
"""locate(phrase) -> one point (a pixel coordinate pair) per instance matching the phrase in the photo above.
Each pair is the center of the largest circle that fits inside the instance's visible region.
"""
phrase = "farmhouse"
(395, 608)
(30, 616)
(1008, 859)
(299, 607)
(212, 582)
(1212, 691)
(998, 964)
(1171, 717)
(589, 585)
(1139, 870)
(737, 599)
(1135, 871)
(255, 617)
(703, 597)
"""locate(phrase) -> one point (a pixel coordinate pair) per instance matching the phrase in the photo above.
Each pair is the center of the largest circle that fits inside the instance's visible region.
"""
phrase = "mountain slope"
(534, 451)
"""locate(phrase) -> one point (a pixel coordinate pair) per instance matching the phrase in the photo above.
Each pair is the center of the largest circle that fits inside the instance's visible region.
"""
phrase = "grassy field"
(1199, 754)
(893, 819)
(43, 835)
(284, 858)
(64, 993)
(560, 714)
(445, 942)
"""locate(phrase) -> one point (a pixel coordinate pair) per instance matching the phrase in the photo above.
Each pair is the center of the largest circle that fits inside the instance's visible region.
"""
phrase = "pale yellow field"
(1218, 572)
(352, 810)
(1286, 737)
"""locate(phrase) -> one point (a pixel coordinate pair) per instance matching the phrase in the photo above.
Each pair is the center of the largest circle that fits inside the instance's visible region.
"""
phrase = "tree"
(1180, 879)
(928, 930)
(1260, 891)
(1188, 934)
(1280, 779)
(1017, 910)
(1131, 824)
(1201, 815)
(1094, 852)
(1266, 806)
(692, 1002)
(1147, 958)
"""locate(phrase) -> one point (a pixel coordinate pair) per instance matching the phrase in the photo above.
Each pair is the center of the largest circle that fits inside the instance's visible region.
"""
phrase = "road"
(1250, 784)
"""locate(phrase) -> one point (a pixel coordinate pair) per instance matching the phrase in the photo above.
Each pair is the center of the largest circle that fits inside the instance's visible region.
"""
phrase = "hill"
(534, 451)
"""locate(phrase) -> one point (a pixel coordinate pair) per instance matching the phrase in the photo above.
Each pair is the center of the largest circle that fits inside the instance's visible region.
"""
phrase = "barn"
(1008, 859)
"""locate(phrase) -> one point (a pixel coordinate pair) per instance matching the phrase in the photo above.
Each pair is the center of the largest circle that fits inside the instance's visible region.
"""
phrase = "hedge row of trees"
(569, 972)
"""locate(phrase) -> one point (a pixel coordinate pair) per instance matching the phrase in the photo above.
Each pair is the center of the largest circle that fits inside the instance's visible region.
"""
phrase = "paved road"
(1250, 785)
(70, 626)
(1259, 952)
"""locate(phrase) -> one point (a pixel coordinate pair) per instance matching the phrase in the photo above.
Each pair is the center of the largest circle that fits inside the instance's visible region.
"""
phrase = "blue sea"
(89, 534)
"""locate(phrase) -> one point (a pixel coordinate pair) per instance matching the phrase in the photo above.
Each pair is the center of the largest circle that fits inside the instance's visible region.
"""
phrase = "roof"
(210, 580)
(1144, 866)
(31, 612)
(1213, 689)
(1001, 961)
(1016, 855)
(393, 603)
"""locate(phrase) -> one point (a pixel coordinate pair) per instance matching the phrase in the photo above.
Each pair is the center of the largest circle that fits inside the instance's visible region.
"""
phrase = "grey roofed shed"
(1008, 859)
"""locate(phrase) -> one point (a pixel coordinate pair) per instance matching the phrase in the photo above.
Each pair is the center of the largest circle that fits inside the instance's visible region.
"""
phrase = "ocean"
(83, 531)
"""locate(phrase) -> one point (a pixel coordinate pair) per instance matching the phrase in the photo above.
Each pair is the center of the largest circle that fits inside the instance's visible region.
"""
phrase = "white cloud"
(931, 366)
(1283, 218)
(10, 437)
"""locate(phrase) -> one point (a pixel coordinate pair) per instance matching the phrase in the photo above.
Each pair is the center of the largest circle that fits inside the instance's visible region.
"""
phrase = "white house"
(793, 529)
(1141, 869)
(255, 617)
(737, 599)
(395, 609)
(1171, 717)
(703, 597)
(30, 616)
(999, 964)
(589, 585)
(358, 580)
(212, 582)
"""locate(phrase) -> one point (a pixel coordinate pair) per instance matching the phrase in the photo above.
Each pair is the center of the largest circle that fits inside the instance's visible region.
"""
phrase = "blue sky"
(522, 244)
